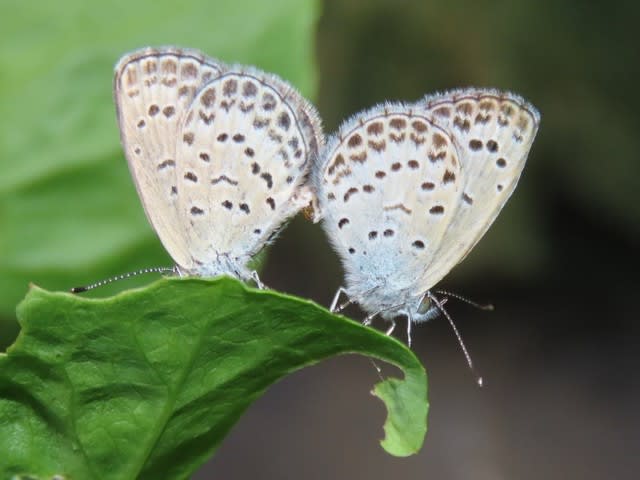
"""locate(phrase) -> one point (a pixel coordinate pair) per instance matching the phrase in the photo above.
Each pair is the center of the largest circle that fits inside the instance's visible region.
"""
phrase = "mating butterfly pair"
(222, 155)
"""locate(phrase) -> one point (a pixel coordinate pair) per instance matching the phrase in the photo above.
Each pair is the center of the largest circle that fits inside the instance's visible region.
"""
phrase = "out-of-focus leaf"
(68, 209)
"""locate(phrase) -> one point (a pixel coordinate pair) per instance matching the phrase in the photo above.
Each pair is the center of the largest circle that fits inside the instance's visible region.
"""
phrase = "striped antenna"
(479, 306)
(467, 356)
(124, 276)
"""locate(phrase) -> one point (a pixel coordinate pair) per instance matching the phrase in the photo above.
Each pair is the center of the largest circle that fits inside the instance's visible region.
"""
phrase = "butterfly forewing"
(389, 181)
(153, 88)
(492, 133)
(242, 153)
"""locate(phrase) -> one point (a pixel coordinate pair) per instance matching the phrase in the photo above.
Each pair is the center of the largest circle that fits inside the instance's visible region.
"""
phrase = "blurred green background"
(560, 354)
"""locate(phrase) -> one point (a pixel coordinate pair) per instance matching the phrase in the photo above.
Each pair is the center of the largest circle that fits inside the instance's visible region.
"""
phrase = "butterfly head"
(424, 308)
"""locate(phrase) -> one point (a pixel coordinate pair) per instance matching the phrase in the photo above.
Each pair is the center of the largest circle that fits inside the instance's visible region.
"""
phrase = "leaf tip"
(406, 424)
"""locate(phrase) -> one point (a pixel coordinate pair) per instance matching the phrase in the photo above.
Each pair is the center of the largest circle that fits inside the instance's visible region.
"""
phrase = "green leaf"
(146, 384)
(68, 208)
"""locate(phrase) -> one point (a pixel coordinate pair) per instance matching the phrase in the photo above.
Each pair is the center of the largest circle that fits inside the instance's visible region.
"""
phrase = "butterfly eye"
(425, 305)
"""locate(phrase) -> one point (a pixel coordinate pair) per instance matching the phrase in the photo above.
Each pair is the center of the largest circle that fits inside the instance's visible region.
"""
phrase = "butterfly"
(405, 191)
(219, 154)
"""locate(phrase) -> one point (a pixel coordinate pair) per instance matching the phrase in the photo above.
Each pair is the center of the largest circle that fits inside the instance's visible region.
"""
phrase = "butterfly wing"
(243, 153)
(386, 186)
(493, 133)
(153, 88)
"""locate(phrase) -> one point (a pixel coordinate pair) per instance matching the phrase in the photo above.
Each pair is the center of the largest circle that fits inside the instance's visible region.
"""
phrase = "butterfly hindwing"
(387, 184)
(243, 153)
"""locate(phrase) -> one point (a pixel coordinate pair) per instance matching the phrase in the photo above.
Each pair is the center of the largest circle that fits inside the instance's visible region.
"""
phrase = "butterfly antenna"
(124, 276)
(440, 306)
(377, 367)
(479, 306)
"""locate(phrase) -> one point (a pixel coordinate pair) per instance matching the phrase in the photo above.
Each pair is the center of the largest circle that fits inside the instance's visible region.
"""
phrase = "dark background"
(560, 354)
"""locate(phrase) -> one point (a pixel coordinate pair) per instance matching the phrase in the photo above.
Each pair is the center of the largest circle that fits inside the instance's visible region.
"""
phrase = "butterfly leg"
(391, 328)
(409, 322)
(334, 308)
(369, 318)
(178, 271)
(350, 301)
(256, 278)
